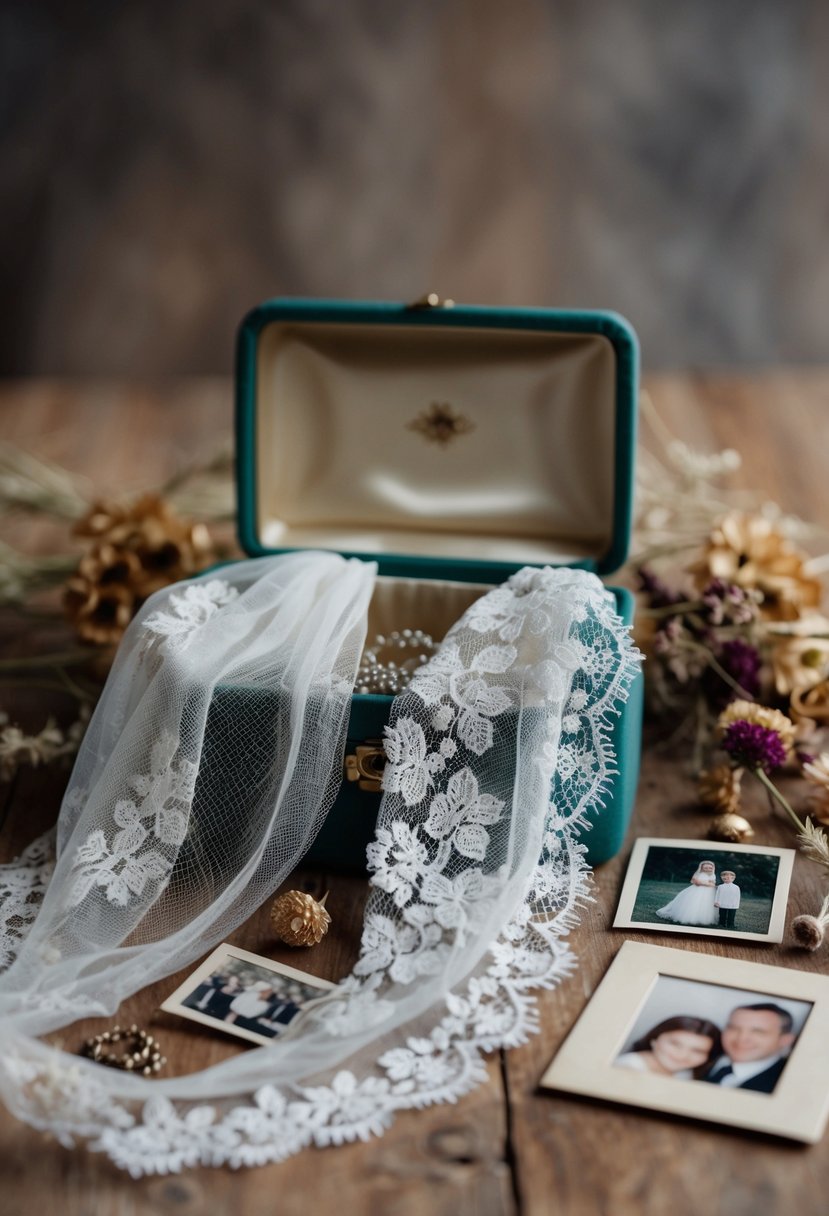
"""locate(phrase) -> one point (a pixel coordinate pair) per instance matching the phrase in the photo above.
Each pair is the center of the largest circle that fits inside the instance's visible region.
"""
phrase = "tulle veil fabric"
(212, 759)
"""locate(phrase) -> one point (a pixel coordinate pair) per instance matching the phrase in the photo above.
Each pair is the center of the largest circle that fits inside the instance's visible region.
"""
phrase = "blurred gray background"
(166, 164)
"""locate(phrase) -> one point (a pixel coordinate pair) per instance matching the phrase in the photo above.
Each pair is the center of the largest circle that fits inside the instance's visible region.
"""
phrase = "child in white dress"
(695, 904)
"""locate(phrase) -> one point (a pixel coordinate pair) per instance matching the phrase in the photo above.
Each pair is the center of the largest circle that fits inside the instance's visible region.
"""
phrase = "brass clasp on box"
(366, 766)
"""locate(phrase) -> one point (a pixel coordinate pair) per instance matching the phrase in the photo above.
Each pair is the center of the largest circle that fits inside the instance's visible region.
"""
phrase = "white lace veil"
(210, 763)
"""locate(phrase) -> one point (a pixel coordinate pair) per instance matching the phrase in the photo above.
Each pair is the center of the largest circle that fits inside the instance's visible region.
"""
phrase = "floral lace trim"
(156, 814)
(22, 888)
(408, 859)
(172, 627)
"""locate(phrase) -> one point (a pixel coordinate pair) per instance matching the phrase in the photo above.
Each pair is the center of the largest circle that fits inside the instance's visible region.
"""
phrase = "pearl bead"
(392, 677)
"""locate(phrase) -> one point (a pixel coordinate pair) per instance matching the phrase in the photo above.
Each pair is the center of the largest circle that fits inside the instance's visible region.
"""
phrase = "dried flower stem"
(812, 840)
(774, 793)
(697, 648)
(65, 658)
(672, 609)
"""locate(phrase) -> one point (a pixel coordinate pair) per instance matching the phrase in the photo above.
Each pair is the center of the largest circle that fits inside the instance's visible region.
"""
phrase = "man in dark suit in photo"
(756, 1044)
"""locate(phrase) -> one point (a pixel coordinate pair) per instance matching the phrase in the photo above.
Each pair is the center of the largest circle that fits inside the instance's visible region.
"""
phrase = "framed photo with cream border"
(245, 995)
(705, 1036)
(706, 888)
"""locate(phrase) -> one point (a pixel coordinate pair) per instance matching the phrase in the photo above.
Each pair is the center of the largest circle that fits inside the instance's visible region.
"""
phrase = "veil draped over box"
(174, 829)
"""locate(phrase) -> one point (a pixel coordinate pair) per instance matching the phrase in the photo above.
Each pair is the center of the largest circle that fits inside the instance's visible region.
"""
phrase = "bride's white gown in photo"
(693, 906)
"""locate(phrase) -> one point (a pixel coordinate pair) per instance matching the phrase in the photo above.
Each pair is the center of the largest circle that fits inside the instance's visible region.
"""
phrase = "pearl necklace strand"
(391, 676)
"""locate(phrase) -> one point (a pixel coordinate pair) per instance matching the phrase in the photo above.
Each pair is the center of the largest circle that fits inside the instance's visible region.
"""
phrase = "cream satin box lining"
(341, 464)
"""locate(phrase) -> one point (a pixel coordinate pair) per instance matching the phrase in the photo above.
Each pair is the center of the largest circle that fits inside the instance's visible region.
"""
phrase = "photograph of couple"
(720, 1036)
(746, 1040)
(709, 889)
(245, 995)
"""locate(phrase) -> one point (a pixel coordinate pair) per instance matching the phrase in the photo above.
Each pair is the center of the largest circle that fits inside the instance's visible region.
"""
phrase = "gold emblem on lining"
(440, 423)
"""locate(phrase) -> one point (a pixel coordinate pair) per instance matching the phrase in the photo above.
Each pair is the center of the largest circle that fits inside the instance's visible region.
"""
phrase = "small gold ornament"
(298, 919)
(440, 423)
(731, 828)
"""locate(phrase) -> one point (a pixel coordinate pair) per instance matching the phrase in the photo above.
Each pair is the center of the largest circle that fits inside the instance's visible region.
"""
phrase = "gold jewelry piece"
(730, 827)
(145, 1058)
(298, 919)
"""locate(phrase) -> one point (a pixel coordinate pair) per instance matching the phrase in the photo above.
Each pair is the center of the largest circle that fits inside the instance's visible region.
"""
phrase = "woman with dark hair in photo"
(679, 1047)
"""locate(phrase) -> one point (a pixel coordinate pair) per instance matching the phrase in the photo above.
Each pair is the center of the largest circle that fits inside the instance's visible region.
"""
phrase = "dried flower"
(810, 931)
(817, 773)
(800, 662)
(811, 703)
(742, 662)
(99, 613)
(760, 715)
(754, 746)
(728, 604)
(659, 594)
(749, 551)
(137, 550)
(51, 743)
(719, 787)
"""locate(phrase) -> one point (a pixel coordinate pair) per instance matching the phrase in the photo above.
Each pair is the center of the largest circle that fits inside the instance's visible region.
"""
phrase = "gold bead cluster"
(143, 1057)
(298, 919)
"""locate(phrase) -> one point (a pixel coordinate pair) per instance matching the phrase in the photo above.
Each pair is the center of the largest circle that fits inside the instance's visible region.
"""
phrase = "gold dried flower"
(730, 827)
(800, 662)
(719, 787)
(101, 519)
(811, 703)
(99, 614)
(817, 773)
(298, 919)
(139, 549)
(749, 551)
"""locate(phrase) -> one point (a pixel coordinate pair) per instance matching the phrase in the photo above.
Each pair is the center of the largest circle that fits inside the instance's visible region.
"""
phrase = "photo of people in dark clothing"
(248, 998)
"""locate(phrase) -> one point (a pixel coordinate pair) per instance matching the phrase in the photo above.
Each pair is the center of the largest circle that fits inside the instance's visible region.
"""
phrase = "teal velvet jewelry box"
(451, 445)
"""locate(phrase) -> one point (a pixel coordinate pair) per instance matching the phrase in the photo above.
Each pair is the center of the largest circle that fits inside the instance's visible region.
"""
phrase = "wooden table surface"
(506, 1148)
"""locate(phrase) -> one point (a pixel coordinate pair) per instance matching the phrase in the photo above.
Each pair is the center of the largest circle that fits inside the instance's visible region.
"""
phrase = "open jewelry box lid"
(440, 441)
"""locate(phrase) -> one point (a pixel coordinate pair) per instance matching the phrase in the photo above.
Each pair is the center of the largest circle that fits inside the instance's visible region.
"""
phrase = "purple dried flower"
(659, 594)
(753, 746)
(728, 603)
(742, 662)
